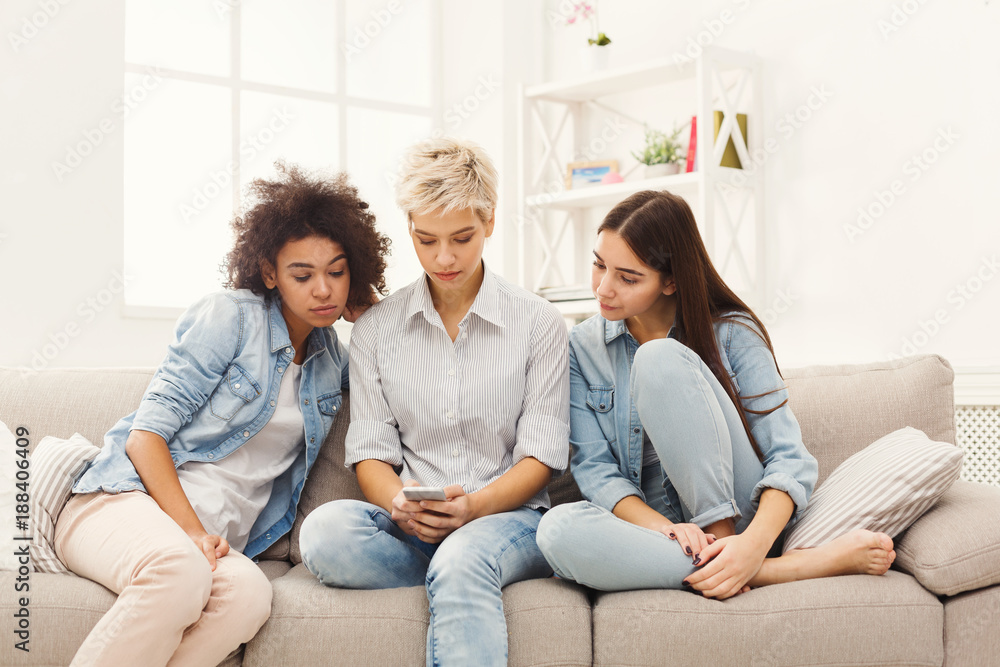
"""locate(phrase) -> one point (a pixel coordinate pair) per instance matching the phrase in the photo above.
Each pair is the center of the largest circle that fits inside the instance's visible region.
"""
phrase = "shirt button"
(635, 474)
(451, 371)
(246, 434)
(211, 456)
(450, 415)
(268, 536)
(236, 386)
(288, 350)
(272, 404)
(312, 439)
(602, 406)
(454, 452)
(307, 401)
(281, 369)
(335, 408)
(636, 429)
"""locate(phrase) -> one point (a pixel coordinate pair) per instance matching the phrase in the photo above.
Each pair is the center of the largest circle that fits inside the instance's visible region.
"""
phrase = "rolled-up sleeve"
(195, 364)
(788, 466)
(543, 425)
(595, 469)
(373, 433)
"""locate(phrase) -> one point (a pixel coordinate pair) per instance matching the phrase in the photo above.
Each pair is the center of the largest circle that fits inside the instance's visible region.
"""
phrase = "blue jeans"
(707, 472)
(353, 544)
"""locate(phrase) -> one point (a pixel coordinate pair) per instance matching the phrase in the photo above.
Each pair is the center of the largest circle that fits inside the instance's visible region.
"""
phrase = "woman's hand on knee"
(693, 540)
(213, 546)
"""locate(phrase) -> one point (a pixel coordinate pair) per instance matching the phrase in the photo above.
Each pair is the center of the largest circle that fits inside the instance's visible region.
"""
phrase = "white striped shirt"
(462, 412)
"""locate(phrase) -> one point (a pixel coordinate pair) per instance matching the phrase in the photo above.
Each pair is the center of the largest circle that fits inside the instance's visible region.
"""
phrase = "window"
(216, 90)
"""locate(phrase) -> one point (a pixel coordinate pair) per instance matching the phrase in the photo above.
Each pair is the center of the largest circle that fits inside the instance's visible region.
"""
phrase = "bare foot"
(858, 552)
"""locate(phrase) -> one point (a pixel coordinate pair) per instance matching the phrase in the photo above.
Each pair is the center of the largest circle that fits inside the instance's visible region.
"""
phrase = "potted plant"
(662, 153)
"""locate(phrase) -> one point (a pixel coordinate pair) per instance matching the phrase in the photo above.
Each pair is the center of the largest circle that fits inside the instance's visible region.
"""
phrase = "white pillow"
(885, 487)
(55, 465)
(8, 504)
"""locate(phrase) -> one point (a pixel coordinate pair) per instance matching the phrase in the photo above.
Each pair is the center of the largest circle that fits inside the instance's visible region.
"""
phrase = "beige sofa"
(938, 605)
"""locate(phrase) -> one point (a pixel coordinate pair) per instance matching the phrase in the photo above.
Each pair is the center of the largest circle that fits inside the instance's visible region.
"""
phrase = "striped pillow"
(885, 487)
(55, 465)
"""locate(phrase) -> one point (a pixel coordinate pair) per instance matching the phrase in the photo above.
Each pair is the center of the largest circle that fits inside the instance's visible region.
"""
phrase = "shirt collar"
(485, 305)
(279, 331)
(614, 329)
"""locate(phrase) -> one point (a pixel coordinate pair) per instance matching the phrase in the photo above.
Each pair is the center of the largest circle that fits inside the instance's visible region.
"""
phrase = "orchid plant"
(584, 11)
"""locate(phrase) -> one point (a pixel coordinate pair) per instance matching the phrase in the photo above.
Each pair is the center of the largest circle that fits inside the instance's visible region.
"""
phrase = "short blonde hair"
(448, 174)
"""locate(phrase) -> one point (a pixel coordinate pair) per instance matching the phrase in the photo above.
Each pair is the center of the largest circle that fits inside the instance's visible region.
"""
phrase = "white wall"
(62, 244)
(62, 249)
(856, 298)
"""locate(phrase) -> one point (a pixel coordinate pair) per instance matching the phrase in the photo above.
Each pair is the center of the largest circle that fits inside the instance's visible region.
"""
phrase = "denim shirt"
(607, 437)
(217, 388)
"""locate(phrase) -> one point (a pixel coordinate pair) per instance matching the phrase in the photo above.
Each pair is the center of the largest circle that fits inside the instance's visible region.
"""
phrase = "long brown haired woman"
(683, 442)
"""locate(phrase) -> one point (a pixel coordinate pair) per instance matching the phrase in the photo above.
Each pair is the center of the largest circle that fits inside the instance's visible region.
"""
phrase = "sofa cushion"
(65, 401)
(55, 465)
(843, 409)
(328, 479)
(955, 546)
(63, 610)
(885, 487)
(850, 620)
(548, 622)
(970, 628)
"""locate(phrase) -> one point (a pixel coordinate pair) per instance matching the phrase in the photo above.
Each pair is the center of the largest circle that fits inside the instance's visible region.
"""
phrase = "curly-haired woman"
(206, 474)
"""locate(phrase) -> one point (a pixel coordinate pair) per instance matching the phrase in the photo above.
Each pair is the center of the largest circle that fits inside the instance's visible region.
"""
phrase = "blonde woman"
(461, 381)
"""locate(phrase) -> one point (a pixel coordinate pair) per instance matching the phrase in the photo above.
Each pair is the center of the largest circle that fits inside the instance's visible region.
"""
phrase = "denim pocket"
(329, 404)
(236, 390)
(601, 399)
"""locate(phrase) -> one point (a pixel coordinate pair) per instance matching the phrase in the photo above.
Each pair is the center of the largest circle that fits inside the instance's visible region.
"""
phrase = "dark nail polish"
(688, 550)
(686, 583)
(697, 560)
(673, 536)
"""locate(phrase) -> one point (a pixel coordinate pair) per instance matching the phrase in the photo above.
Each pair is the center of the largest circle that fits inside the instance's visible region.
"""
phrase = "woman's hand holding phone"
(433, 520)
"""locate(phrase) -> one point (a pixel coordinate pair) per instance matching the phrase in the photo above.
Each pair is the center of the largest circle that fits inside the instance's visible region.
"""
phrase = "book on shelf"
(692, 145)
(730, 158)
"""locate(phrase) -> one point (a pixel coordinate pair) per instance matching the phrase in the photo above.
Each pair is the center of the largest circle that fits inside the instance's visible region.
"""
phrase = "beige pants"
(171, 608)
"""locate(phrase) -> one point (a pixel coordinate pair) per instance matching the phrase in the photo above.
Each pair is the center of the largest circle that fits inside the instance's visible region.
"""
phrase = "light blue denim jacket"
(607, 437)
(217, 388)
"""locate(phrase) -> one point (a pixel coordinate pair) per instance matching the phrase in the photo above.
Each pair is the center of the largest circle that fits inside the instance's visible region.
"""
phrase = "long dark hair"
(660, 229)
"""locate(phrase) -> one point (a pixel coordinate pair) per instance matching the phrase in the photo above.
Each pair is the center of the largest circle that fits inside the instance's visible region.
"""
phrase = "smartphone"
(424, 493)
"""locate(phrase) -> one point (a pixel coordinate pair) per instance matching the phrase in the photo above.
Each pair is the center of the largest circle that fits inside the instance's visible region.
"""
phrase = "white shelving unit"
(728, 203)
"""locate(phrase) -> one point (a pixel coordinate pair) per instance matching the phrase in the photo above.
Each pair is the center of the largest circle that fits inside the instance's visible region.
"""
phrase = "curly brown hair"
(293, 206)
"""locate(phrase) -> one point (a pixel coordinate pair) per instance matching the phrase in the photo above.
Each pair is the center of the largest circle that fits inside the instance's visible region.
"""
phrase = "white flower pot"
(657, 170)
(594, 58)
